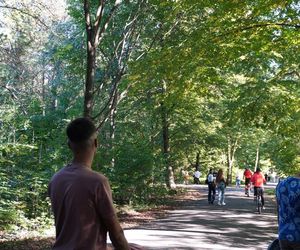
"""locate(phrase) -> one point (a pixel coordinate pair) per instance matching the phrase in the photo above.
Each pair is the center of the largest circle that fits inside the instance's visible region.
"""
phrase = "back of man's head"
(81, 132)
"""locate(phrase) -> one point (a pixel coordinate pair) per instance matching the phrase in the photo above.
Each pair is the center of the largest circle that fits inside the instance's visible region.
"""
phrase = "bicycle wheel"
(259, 206)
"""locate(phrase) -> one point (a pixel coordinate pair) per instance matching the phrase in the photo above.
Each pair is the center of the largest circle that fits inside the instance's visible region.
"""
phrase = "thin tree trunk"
(228, 156)
(197, 165)
(257, 157)
(231, 148)
(40, 152)
(43, 90)
(14, 136)
(56, 77)
(33, 137)
(166, 148)
(89, 80)
(112, 135)
(229, 169)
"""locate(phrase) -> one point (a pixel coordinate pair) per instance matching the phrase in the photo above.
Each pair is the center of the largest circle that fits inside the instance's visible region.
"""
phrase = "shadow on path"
(198, 225)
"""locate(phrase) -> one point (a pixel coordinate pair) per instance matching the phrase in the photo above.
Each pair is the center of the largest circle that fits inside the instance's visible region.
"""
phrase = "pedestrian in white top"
(197, 175)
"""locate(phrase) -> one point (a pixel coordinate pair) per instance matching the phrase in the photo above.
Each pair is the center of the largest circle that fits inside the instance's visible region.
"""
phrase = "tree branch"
(111, 104)
(99, 32)
(258, 25)
(98, 20)
(112, 92)
(87, 14)
(11, 91)
(25, 13)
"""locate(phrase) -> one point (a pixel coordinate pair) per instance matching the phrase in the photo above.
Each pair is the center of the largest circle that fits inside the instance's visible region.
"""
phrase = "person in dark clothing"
(266, 177)
(211, 187)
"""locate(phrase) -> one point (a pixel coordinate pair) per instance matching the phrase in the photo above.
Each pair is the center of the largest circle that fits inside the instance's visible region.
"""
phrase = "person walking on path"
(82, 199)
(237, 181)
(288, 203)
(258, 181)
(197, 175)
(186, 176)
(211, 187)
(221, 185)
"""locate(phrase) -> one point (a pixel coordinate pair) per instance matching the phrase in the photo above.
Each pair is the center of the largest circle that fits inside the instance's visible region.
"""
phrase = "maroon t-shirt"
(80, 199)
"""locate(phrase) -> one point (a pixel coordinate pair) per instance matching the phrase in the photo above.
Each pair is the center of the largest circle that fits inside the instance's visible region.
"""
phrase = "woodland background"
(172, 85)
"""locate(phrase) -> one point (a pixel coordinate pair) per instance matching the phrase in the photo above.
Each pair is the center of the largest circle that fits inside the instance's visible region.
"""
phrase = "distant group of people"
(287, 196)
(196, 177)
(216, 183)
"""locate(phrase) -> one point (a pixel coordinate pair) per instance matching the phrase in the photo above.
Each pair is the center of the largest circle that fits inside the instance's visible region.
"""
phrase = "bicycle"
(257, 200)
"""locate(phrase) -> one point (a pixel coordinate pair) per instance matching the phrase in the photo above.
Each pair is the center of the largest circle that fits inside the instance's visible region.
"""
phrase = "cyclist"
(258, 181)
(247, 176)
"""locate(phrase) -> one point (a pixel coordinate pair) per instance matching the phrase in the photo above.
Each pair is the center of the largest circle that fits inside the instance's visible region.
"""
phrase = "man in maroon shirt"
(81, 198)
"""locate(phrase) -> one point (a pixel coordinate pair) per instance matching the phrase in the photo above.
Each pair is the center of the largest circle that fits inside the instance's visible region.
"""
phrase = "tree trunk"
(14, 136)
(229, 168)
(257, 158)
(112, 135)
(40, 152)
(89, 80)
(166, 148)
(44, 90)
(56, 77)
(197, 165)
(231, 148)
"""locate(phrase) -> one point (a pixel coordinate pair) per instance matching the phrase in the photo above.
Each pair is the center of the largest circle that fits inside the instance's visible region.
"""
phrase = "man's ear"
(96, 143)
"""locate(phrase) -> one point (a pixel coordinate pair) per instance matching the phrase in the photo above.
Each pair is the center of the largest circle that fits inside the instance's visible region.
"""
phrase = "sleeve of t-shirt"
(104, 203)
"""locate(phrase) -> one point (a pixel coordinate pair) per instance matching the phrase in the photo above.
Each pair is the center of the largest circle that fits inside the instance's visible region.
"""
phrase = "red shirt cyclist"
(258, 181)
(247, 177)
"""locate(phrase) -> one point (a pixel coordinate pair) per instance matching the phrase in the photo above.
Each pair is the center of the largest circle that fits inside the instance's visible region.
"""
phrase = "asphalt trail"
(198, 225)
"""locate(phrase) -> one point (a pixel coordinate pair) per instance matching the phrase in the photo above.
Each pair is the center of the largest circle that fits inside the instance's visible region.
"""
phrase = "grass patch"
(270, 192)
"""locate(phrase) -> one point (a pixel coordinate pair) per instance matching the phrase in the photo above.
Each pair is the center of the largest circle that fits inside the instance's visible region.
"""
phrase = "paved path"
(198, 225)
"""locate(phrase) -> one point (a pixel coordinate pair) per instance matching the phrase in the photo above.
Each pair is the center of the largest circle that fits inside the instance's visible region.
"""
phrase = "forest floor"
(189, 222)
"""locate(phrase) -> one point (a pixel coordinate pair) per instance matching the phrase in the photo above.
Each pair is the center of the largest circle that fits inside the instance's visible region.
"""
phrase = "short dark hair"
(80, 130)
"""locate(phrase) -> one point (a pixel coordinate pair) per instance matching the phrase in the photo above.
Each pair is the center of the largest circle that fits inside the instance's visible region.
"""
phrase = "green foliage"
(133, 172)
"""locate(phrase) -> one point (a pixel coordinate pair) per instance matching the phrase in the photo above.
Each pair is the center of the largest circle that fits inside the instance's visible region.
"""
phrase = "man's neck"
(84, 160)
